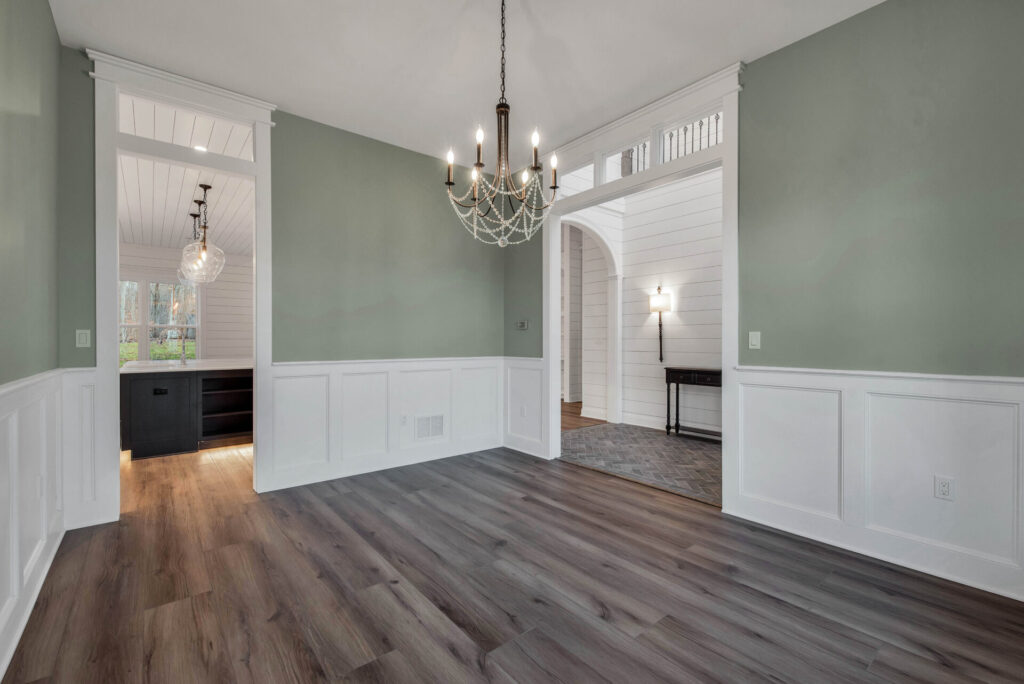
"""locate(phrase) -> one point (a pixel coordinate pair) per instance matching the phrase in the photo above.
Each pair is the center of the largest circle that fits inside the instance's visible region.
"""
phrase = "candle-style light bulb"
(535, 138)
(526, 176)
(479, 135)
(479, 147)
(451, 161)
(554, 162)
(451, 156)
(475, 174)
(554, 172)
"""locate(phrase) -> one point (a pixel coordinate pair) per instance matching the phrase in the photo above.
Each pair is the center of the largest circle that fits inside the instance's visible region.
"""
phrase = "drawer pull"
(159, 390)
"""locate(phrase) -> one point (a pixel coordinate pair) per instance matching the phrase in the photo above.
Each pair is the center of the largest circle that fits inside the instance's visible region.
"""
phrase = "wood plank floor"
(490, 566)
(571, 418)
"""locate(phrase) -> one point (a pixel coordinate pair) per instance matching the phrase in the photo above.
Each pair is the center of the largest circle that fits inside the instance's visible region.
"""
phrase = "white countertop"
(190, 365)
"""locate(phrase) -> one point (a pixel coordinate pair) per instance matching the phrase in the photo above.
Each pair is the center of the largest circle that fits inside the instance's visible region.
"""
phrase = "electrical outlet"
(945, 488)
(522, 325)
(754, 339)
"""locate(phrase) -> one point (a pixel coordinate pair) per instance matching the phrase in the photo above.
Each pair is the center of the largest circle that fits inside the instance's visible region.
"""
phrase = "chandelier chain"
(502, 99)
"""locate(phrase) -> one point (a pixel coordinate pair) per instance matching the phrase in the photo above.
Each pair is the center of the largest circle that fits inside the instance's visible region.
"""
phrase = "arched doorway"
(591, 373)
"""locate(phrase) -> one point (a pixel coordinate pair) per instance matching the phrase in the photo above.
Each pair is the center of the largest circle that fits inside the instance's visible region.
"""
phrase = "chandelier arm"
(519, 193)
(544, 205)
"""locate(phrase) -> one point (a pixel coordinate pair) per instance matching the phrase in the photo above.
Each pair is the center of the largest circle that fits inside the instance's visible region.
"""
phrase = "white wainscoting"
(338, 418)
(31, 502)
(850, 458)
(91, 462)
(523, 425)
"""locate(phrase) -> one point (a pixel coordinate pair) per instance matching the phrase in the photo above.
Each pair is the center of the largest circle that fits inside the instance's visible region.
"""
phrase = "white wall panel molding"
(31, 497)
(851, 458)
(339, 418)
(524, 427)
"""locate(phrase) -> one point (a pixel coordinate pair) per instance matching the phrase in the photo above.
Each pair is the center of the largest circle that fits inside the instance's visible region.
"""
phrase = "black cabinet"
(158, 413)
(172, 412)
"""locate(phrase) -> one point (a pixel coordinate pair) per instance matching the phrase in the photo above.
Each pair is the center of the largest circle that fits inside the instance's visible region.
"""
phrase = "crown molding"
(116, 69)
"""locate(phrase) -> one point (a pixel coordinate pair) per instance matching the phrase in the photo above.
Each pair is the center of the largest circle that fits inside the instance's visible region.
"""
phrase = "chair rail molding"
(851, 458)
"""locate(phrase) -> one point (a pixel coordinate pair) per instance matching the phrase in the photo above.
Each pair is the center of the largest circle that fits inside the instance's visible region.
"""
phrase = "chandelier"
(201, 260)
(496, 210)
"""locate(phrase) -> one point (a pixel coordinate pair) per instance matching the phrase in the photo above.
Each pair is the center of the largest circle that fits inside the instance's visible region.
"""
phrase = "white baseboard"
(850, 459)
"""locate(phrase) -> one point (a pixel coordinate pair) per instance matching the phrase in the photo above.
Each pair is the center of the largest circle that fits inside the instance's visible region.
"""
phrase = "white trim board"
(718, 92)
(112, 76)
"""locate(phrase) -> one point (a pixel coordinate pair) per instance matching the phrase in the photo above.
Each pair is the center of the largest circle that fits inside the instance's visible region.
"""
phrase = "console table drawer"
(706, 378)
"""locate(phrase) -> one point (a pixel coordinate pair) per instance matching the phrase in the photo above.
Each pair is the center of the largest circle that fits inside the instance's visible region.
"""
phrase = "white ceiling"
(155, 198)
(423, 74)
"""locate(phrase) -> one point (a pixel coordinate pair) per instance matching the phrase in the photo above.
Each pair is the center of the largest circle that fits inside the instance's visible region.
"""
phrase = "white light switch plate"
(755, 339)
(83, 338)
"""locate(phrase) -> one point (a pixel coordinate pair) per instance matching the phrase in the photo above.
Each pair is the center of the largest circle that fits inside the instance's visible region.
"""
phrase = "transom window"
(692, 136)
(156, 319)
(633, 159)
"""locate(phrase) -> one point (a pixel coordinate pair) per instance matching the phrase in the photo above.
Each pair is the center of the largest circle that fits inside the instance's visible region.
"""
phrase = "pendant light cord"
(502, 100)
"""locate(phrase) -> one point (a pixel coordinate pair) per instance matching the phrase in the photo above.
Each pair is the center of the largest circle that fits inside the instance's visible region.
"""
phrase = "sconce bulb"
(451, 156)
(479, 135)
(554, 161)
(535, 138)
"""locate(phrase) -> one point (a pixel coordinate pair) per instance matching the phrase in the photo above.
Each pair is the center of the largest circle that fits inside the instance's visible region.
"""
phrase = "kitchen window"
(156, 319)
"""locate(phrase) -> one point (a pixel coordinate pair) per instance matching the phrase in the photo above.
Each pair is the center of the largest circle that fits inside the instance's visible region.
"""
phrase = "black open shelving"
(225, 408)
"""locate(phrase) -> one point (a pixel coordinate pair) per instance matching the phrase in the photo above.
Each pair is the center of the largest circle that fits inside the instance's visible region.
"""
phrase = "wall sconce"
(660, 302)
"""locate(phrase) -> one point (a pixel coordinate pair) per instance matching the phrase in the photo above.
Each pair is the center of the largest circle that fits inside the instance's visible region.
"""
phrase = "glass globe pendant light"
(201, 260)
(182, 278)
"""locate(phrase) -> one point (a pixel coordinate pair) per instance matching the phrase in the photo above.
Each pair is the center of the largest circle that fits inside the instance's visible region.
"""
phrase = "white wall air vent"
(429, 427)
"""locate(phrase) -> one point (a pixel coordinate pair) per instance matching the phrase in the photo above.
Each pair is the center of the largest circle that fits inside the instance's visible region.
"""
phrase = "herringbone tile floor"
(685, 465)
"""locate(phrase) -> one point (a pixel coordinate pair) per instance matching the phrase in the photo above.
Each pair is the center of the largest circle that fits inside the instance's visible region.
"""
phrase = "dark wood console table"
(706, 377)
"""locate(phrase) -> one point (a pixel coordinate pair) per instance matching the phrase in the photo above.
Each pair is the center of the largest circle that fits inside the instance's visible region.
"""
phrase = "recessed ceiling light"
(198, 148)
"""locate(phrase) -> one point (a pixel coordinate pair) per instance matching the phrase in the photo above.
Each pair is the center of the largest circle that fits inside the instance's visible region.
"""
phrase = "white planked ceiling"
(184, 127)
(422, 75)
(155, 198)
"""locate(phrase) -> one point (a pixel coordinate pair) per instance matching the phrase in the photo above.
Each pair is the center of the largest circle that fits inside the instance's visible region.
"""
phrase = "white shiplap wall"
(595, 331)
(672, 236)
(226, 305)
(572, 313)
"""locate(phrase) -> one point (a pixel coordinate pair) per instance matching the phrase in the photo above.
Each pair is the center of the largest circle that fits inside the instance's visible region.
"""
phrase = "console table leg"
(668, 408)
(677, 408)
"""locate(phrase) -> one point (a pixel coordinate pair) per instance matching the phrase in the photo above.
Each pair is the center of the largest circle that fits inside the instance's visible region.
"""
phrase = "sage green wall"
(524, 297)
(76, 209)
(881, 187)
(29, 56)
(369, 260)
